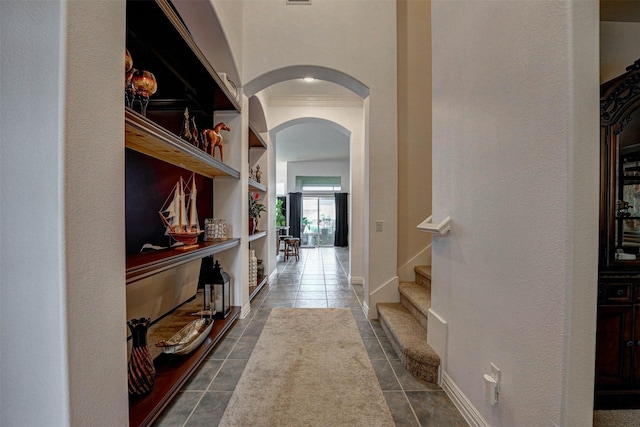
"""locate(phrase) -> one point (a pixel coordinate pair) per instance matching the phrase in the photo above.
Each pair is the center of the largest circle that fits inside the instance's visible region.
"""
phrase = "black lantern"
(219, 297)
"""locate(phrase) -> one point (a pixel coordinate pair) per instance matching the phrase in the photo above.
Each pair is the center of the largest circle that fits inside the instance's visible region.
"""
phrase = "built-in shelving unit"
(256, 186)
(255, 140)
(257, 235)
(257, 241)
(159, 42)
(146, 137)
(253, 290)
(172, 372)
(149, 263)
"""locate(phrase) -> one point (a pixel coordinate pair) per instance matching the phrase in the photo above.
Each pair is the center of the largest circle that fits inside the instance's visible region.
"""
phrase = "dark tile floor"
(318, 279)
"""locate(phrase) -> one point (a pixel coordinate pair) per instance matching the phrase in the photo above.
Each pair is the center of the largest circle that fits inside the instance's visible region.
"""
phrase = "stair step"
(416, 299)
(409, 339)
(423, 275)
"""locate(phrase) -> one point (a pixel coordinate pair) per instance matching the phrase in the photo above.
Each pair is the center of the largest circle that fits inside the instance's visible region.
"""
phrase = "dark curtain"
(295, 213)
(342, 220)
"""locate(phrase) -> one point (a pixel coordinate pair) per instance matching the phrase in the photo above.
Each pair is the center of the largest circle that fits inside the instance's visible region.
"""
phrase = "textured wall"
(515, 154)
(414, 133)
(63, 333)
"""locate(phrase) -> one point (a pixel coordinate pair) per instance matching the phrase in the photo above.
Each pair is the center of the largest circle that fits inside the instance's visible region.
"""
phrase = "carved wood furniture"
(617, 373)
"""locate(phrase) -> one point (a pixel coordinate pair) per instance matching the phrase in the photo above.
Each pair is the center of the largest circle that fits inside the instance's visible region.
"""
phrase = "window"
(318, 183)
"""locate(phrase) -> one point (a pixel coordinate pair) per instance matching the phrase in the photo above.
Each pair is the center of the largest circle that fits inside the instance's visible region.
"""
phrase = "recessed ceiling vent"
(298, 1)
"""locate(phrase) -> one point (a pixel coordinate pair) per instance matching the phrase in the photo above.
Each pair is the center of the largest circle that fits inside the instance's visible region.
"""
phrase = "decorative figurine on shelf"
(258, 173)
(622, 209)
(255, 209)
(215, 229)
(129, 91)
(142, 372)
(185, 132)
(251, 176)
(181, 225)
(213, 138)
(195, 135)
(145, 85)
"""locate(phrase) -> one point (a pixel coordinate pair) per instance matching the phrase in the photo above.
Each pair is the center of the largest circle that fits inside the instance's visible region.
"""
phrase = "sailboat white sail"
(193, 214)
(181, 227)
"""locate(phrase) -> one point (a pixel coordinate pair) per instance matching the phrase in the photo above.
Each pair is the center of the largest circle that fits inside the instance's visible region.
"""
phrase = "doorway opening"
(318, 221)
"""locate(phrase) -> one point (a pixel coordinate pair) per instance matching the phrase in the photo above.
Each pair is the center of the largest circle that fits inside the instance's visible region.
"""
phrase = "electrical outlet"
(378, 226)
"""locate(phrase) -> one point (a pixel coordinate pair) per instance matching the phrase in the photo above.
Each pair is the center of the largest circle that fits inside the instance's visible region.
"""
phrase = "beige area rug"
(309, 368)
(617, 418)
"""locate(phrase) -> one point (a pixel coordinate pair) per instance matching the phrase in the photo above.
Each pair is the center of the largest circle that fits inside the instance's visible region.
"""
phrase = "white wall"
(516, 161)
(63, 348)
(277, 35)
(414, 134)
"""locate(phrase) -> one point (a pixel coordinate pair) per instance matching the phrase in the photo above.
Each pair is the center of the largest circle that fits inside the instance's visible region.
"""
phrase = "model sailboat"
(181, 226)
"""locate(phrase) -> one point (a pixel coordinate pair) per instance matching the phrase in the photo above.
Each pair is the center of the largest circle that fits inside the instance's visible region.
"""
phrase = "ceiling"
(312, 140)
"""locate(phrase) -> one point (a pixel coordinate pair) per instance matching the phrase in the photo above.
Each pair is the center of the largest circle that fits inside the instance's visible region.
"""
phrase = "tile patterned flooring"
(318, 279)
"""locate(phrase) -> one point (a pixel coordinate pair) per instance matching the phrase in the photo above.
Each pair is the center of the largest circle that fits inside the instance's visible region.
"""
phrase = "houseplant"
(281, 221)
(255, 209)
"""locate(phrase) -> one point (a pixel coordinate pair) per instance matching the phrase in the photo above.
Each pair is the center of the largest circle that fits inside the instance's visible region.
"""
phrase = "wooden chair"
(291, 248)
(281, 239)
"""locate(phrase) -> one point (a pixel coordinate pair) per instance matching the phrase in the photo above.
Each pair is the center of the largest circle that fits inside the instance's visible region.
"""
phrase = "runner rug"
(309, 368)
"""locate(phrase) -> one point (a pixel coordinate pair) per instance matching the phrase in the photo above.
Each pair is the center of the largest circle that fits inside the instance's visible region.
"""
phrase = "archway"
(352, 123)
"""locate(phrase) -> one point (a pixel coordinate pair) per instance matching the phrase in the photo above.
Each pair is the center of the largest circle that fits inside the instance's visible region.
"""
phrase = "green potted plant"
(255, 209)
(305, 223)
(281, 221)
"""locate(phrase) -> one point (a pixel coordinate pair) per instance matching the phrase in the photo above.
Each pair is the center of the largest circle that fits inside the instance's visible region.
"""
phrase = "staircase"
(405, 324)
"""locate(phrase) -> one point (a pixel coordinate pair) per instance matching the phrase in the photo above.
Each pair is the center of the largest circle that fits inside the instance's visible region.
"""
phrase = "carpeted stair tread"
(417, 299)
(423, 270)
(423, 275)
(409, 339)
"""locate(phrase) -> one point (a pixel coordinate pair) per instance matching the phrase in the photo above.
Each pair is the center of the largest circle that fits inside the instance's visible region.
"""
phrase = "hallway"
(318, 280)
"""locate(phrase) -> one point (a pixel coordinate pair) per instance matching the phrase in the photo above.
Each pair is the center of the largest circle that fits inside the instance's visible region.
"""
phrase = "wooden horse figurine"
(213, 138)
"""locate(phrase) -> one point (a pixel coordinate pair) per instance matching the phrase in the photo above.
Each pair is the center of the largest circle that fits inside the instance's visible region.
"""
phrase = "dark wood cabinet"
(617, 371)
(614, 346)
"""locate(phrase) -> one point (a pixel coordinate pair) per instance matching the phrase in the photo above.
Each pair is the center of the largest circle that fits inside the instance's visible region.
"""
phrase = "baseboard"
(406, 272)
(356, 280)
(437, 335)
(460, 401)
(365, 309)
(245, 310)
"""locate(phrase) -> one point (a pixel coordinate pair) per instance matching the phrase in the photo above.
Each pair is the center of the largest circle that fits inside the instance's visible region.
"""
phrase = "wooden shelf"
(146, 137)
(256, 186)
(147, 264)
(172, 372)
(160, 42)
(253, 290)
(257, 235)
(255, 140)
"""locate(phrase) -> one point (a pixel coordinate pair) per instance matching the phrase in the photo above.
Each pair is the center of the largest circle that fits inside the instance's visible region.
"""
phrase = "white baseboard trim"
(437, 336)
(245, 310)
(356, 280)
(365, 309)
(460, 401)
